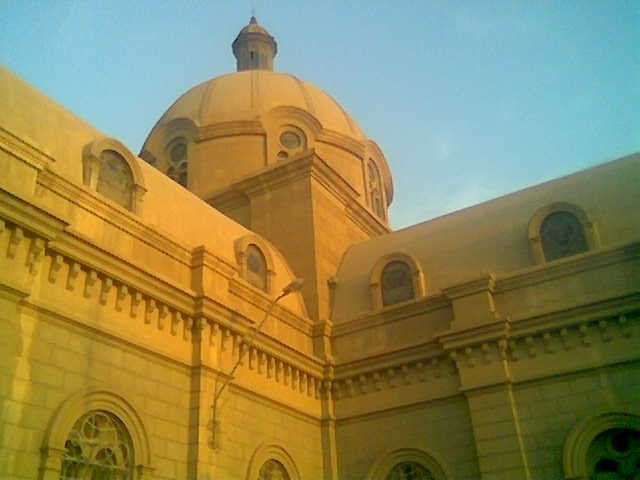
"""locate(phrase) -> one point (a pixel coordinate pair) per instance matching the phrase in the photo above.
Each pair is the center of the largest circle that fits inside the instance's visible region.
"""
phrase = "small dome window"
(178, 162)
(256, 268)
(115, 180)
(375, 189)
(98, 446)
(409, 470)
(614, 453)
(273, 470)
(396, 283)
(292, 140)
(562, 235)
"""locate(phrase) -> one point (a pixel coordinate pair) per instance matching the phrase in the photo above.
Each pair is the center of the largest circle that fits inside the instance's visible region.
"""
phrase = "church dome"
(237, 125)
(248, 95)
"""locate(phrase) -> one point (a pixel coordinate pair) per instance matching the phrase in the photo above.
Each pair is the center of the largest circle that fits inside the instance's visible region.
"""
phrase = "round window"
(290, 139)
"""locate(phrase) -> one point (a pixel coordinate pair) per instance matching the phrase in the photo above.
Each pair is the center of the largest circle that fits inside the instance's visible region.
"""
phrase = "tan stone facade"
(497, 342)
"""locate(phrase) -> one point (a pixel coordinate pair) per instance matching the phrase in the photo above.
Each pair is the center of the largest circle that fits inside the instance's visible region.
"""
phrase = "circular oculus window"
(290, 139)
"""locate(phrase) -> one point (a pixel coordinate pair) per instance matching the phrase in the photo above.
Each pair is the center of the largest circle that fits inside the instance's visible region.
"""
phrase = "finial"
(254, 48)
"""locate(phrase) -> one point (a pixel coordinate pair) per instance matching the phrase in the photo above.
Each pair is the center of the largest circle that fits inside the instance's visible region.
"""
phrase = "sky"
(469, 100)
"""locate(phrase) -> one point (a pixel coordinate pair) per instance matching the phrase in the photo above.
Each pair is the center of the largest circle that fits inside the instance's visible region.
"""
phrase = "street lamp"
(292, 287)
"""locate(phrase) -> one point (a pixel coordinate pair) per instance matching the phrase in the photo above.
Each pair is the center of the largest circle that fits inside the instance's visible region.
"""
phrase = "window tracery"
(178, 162)
(292, 141)
(375, 189)
(98, 448)
(273, 470)
(256, 267)
(409, 471)
(562, 235)
(615, 455)
(115, 180)
(396, 283)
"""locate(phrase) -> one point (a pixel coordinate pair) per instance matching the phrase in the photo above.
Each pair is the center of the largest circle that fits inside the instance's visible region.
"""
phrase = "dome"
(236, 125)
(248, 95)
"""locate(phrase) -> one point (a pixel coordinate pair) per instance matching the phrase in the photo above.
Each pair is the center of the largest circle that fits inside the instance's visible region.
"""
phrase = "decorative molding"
(24, 150)
(229, 129)
(74, 407)
(576, 446)
(392, 313)
(421, 455)
(593, 259)
(266, 452)
(119, 217)
(92, 163)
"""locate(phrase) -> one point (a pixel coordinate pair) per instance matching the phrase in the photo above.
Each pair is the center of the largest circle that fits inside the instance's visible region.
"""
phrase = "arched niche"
(420, 456)
(74, 407)
(93, 161)
(535, 224)
(375, 152)
(279, 121)
(271, 451)
(242, 248)
(582, 435)
(375, 283)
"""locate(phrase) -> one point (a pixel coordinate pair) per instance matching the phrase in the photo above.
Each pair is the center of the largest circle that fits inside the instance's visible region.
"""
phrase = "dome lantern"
(254, 48)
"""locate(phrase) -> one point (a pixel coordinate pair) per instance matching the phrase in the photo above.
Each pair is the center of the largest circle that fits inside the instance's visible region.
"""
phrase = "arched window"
(409, 471)
(110, 169)
(396, 283)
(178, 162)
(614, 454)
(408, 464)
(562, 235)
(115, 180)
(292, 140)
(98, 447)
(273, 470)
(375, 189)
(256, 267)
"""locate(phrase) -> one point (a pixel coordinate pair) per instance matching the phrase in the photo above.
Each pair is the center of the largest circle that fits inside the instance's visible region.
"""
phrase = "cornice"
(260, 300)
(567, 317)
(95, 258)
(200, 256)
(392, 314)
(229, 129)
(115, 215)
(389, 359)
(593, 259)
(369, 223)
(344, 142)
(23, 150)
(486, 283)
(30, 216)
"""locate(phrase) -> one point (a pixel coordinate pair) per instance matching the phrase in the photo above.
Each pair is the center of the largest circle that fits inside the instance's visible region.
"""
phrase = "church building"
(232, 304)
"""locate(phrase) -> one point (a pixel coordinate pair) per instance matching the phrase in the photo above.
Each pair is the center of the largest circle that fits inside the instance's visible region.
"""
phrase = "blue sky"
(469, 100)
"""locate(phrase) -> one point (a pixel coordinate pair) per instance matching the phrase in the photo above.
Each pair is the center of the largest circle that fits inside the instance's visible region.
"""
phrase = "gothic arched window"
(396, 283)
(98, 448)
(614, 454)
(115, 180)
(178, 162)
(409, 471)
(375, 189)
(256, 267)
(562, 235)
(273, 470)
